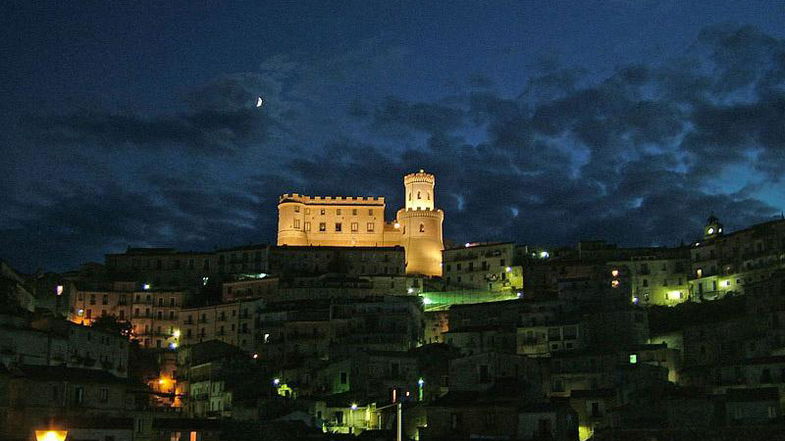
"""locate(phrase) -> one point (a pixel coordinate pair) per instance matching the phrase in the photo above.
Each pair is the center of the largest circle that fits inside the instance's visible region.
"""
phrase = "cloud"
(637, 157)
(222, 118)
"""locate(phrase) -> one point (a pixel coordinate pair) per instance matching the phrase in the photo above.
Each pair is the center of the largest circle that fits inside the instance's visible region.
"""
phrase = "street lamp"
(51, 435)
(351, 419)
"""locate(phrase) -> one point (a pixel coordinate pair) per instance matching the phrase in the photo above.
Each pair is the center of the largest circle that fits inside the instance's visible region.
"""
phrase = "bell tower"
(713, 228)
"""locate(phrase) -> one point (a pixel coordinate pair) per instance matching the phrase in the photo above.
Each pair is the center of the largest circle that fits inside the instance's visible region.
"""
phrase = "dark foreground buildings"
(323, 342)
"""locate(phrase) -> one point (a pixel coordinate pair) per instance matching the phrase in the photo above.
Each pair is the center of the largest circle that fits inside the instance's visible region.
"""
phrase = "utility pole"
(398, 418)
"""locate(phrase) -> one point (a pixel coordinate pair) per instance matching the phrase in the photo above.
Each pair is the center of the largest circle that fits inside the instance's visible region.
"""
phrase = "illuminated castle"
(359, 222)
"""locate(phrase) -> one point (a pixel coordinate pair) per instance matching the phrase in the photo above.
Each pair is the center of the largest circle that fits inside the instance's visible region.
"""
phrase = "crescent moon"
(259, 102)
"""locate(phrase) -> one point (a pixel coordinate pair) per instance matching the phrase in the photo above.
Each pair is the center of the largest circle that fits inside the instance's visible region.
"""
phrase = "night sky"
(133, 123)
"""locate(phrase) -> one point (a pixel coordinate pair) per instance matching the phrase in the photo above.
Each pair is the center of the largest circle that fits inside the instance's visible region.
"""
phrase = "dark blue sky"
(132, 123)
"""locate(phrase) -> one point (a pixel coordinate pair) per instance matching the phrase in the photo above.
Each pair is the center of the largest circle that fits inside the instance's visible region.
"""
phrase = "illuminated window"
(355, 227)
(338, 227)
(322, 226)
(369, 227)
(633, 358)
(307, 226)
(59, 290)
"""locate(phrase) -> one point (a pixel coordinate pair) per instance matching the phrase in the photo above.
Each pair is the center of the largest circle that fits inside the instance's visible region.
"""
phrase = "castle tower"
(421, 225)
(291, 210)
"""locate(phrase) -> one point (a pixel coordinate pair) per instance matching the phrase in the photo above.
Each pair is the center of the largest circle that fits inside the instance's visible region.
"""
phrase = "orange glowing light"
(51, 435)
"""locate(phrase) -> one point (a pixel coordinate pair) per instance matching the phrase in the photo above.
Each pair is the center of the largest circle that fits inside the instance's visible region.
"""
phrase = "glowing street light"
(276, 381)
(51, 435)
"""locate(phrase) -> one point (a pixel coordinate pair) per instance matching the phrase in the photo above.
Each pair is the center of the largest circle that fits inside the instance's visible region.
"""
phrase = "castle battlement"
(357, 221)
(419, 177)
(350, 200)
(420, 212)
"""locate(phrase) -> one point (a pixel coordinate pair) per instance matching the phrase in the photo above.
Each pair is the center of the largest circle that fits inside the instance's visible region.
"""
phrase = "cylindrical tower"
(421, 226)
(419, 190)
(291, 226)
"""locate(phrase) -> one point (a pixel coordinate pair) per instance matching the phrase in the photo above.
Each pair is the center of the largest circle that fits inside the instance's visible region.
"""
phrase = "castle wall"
(421, 237)
(359, 221)
(331, 221)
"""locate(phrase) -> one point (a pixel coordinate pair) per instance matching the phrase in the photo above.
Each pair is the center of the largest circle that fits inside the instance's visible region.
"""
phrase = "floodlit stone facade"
(341, 221)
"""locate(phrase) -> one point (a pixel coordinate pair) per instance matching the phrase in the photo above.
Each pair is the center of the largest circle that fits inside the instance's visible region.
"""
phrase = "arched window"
(428, 195)
(422, 228)
(410, 195)
(418, 195)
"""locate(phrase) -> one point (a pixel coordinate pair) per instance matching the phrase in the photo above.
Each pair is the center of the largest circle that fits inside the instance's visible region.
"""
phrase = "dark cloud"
(222, 118)
(633, 157)
(394, 115)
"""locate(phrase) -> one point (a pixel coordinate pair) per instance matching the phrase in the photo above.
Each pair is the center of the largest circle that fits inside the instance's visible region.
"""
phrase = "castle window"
(296, 208)
(355, 227)
(354, 212)
(410, 196)
(422, 228)
(307, 210)
(428, 195)
(370, 227)
(307, 226)
(338, 227)
(338, 212)
(418, 195)
(297, 224)
(322, 226)
(321, 211)
(370, 212)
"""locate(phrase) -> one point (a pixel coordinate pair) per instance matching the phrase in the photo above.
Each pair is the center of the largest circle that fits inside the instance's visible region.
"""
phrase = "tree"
(109, 323)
